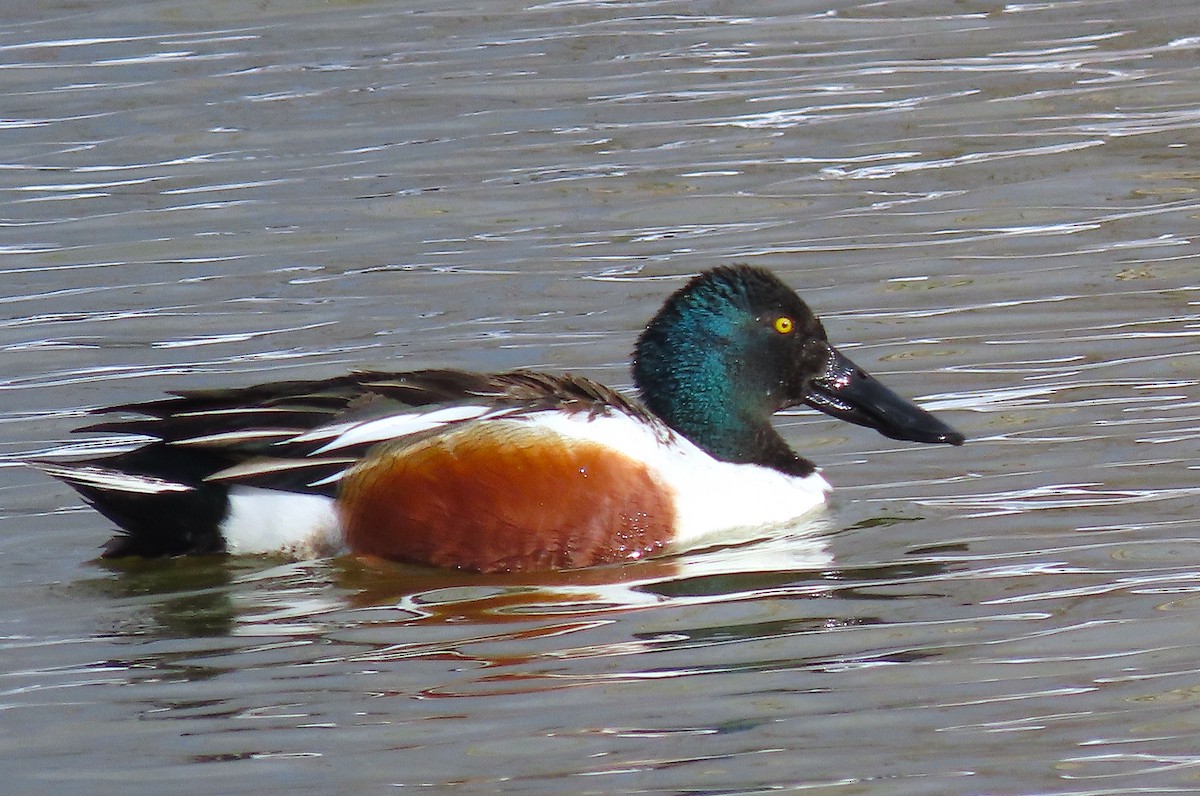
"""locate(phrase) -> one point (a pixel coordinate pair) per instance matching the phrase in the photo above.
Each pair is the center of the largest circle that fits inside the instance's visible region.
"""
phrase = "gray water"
(992, 206)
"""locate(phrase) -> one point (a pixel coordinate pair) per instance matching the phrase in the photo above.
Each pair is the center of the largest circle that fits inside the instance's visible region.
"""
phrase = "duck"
(500, 472)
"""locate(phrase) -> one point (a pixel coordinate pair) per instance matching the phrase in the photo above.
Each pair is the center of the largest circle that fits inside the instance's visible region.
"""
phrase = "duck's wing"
(302, 435)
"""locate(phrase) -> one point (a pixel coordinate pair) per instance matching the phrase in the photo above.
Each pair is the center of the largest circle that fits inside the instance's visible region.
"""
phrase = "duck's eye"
(784, 325)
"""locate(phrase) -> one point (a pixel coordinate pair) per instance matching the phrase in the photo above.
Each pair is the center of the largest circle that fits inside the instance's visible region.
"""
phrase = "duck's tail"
(162, 504)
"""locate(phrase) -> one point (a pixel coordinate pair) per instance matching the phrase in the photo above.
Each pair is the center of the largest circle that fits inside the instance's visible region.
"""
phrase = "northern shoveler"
(496, 472)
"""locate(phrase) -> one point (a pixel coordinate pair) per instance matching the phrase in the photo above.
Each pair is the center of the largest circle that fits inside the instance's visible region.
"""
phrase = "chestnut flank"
(504, 496)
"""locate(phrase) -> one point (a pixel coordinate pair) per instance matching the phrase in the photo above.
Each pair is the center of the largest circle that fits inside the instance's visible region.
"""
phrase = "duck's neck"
(725, 434)
(702, 395)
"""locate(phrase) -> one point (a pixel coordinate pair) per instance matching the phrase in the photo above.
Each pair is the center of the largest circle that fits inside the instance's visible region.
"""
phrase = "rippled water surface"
(992, 206)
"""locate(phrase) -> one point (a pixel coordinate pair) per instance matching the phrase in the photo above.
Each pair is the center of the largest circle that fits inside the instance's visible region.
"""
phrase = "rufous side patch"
(504, 496)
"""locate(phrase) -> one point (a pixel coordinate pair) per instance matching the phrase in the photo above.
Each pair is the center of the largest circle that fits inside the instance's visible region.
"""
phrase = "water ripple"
(991, 208)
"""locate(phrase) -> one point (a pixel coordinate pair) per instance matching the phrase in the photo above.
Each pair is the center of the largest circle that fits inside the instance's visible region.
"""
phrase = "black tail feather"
(168, 523)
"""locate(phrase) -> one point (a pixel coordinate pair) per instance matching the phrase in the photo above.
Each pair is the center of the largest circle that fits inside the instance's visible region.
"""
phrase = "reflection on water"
(992, 204)
(394, 613)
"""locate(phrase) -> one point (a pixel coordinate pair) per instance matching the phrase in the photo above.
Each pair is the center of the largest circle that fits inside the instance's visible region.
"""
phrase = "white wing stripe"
(397, 426)
(322, 432)
(265, 466)
(234, 437)
(329, 479)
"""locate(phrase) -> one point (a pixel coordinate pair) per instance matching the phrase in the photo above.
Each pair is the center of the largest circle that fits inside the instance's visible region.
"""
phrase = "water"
(991, 206)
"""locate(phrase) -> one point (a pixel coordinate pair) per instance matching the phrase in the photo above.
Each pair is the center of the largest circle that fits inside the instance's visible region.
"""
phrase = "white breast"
(711, 497)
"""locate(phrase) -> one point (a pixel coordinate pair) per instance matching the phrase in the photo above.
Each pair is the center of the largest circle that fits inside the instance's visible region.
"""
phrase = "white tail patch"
(111, 480)
(271, 521)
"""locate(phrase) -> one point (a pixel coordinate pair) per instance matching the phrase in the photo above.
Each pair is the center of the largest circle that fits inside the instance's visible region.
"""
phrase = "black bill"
(849, 393)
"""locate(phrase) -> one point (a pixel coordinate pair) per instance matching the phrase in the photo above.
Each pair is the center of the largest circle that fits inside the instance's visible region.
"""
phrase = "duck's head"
(735, 345)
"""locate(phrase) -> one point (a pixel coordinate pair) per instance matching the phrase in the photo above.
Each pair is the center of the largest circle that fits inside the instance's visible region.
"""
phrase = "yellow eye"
(784, 324)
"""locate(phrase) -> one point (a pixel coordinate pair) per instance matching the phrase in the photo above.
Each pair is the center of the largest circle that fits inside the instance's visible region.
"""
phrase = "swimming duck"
(501, 472)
